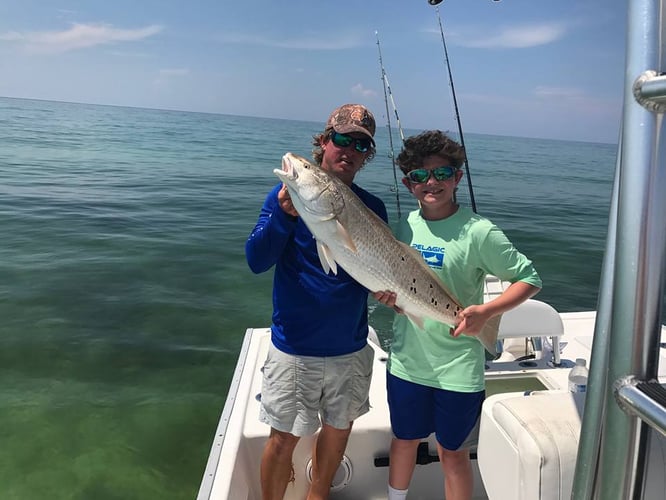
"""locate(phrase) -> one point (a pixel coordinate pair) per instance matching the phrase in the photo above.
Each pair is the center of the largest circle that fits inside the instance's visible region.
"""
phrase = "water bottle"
(578, 377)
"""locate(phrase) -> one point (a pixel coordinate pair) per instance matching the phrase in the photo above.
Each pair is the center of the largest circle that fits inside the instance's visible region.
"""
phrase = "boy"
(435, 380)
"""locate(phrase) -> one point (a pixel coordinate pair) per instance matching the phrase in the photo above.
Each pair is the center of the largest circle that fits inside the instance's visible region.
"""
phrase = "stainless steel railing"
(624, 400)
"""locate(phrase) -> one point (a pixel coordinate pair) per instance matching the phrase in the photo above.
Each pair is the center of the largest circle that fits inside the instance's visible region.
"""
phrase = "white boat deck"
(232, 472)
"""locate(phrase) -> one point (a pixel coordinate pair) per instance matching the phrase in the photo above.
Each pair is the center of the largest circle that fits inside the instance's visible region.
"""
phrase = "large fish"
(352, 236)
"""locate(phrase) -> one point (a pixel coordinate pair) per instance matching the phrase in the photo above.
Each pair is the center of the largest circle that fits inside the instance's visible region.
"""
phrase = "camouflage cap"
(352, 118)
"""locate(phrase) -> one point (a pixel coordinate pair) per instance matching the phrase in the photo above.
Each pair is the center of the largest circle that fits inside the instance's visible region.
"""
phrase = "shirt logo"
(434, 256)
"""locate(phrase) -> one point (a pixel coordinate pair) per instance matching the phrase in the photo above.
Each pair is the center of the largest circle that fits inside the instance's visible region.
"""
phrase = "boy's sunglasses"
(344, 141)
(421, 175)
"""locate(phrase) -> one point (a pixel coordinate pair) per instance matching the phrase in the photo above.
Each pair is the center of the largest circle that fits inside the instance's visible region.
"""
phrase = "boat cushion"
(528, 444)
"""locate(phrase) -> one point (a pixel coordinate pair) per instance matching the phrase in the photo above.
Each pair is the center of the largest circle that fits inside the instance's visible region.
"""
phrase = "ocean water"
(124, 291)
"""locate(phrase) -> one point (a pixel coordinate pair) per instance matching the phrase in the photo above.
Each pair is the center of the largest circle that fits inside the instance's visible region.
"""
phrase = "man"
(319, 365)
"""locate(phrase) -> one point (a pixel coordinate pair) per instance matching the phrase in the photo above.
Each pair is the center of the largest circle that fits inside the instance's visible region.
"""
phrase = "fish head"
(312, 189)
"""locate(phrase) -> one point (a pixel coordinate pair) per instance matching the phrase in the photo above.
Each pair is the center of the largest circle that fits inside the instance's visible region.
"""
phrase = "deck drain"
(342, 476)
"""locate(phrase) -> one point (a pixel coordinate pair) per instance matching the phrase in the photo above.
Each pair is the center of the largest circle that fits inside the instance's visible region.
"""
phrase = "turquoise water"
(124, 291)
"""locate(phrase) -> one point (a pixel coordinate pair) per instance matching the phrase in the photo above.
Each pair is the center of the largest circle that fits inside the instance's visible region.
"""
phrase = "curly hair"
(429, 143)
(318, 153)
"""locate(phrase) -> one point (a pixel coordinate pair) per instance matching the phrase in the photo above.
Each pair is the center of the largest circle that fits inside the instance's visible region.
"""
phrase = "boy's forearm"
(517, 293)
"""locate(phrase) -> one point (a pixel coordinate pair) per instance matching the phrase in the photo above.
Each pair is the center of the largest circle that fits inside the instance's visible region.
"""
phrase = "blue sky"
(530, 68)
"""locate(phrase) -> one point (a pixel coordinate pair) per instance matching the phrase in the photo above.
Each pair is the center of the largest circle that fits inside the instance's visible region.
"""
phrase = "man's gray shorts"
(297, 390)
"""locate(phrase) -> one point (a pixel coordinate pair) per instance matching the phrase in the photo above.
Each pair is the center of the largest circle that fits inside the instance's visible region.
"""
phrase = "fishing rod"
(388, 94)
(455, 104)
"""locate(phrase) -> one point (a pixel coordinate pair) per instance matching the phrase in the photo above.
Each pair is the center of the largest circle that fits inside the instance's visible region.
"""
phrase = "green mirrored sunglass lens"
(342, 140)
(419, 175)
(443, 173)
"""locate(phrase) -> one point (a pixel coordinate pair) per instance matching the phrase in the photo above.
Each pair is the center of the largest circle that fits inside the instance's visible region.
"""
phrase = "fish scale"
(352, 236)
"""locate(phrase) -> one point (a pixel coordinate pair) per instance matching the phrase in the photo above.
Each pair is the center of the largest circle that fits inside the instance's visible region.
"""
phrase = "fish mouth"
(288, 171)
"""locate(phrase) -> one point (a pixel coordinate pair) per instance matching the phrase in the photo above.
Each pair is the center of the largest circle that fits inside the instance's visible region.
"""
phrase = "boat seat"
(535, 439)
(532, 319)
(528, 445)
(493, 287)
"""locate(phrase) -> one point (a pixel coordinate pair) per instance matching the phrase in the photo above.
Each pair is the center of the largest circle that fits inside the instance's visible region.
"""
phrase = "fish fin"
(326, 259)
(488, 334)
(345, 237)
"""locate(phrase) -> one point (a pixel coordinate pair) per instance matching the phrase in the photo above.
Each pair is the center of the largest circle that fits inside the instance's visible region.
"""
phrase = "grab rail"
(645, 400)
(622, 393)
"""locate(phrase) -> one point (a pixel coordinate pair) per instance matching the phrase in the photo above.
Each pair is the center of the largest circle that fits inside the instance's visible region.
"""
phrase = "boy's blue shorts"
(418, 410)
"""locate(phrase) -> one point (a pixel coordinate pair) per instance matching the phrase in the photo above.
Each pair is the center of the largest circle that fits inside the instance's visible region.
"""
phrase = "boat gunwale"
(210, 472)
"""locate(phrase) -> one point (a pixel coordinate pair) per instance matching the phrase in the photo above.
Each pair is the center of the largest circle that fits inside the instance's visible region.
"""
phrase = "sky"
(528, 68)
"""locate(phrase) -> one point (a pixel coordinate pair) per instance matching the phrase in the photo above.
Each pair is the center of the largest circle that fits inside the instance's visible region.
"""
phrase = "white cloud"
(11, 36)
(558, 92)
(360, 90)
(309, 42)
(542, 93)
(78, 36)
(512, 37)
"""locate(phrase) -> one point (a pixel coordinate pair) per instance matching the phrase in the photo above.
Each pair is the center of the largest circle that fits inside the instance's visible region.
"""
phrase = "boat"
(537, 439)
(539, 348)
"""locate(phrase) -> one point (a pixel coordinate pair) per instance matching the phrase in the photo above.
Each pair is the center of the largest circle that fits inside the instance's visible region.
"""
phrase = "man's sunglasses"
(421, 175)
(344, 141)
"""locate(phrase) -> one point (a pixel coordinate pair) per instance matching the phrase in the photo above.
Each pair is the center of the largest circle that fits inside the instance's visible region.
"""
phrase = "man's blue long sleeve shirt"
(314, 313)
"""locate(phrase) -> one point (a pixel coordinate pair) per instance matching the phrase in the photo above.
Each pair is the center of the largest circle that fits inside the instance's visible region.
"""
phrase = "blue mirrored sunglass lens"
(341, 139)
(418, 175)
(443, 173)
(362, 145)
(422, 175)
